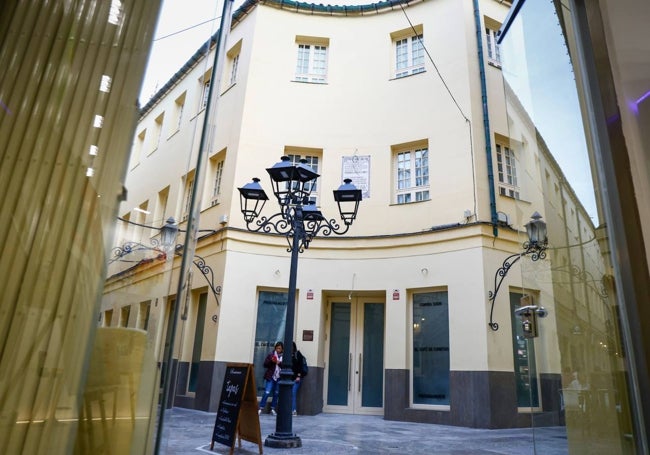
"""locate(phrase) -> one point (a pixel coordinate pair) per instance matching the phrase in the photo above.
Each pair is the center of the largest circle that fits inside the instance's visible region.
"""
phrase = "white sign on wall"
(357, 169)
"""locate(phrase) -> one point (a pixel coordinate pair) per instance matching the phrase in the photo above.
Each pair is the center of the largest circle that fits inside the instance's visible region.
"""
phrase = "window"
(143, 315)
(409, 51)
(161, 206)
(216, 165)
(524, 357)
(157, 131)
(312, 59)
(312, 156)
(124, 316)
(233, 62)
(179, 105)
(138, 145)
(205, 95)
(507, 169)
(491, 30)
(108, 318)
(205, 88)
(492, 47)
(139, 217)
(431, 348)
(198, 342)
(411, 173)
(269, 328)
(189, 186)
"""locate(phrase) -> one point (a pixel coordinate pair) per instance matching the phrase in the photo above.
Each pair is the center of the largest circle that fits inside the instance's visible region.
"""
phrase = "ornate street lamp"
(299, 221)
(168, 233)
(535, 246)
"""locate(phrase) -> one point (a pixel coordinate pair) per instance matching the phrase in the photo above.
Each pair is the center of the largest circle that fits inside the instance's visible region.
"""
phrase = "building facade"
(412, 314)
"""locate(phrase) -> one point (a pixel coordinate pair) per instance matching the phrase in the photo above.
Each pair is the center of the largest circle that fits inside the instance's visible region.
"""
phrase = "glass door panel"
(339, 364)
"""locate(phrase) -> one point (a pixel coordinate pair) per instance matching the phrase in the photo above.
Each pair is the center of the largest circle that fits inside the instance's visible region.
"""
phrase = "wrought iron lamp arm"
(131, 247)
(498, 279)
(537, 251)
(279, 223)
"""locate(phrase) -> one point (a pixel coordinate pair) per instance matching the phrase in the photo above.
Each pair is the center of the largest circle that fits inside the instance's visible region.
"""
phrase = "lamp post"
(299, 221)
(535, 246)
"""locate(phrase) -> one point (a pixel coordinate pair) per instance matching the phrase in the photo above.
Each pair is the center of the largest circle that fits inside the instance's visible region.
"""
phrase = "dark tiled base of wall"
(479, 399)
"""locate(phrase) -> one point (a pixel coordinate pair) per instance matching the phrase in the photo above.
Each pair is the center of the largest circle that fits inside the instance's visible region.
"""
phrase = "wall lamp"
(535, 246)
(164, 245)
(299, 221)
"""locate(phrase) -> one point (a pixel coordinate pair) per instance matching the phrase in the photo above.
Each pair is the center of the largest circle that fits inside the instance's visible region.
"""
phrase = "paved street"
(188, 432)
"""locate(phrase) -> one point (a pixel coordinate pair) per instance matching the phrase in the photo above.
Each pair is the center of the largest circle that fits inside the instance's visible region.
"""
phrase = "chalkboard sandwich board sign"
(237, 411)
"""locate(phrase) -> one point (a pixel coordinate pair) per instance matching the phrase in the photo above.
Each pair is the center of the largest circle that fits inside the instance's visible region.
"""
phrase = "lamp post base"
(283, 442)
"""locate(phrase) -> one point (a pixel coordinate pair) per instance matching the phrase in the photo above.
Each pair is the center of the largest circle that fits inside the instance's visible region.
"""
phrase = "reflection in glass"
(579, 353)
(271, 317)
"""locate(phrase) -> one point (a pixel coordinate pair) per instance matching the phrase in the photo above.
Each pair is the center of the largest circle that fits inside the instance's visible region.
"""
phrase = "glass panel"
(339, 358)
(372, 388)
(431, 348)
(580, 358)
(271, 317)
(198, 342)
(524, 359)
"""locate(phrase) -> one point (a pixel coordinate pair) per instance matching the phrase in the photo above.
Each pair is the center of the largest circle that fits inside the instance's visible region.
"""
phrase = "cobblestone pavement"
(188, 432)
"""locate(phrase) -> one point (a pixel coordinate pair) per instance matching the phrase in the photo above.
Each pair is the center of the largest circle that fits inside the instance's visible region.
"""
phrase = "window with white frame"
(216, 168)
(311, 65)
(313, 158)
(189, 186)
(491, 32)
(179, 105)
(157, 131)
(411, 173)
(205, 94)
(233, 62)
(408, 51)
(507, 170)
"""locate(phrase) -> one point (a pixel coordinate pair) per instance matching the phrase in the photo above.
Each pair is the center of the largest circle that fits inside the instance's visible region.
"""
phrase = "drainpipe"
(486, 120)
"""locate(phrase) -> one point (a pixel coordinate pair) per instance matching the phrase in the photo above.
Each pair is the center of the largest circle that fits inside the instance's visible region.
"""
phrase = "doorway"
(354, 372)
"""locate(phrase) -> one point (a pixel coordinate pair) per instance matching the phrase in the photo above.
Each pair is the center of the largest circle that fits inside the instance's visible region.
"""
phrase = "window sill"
(409, 203)
(309, 82)
(431, 407)
(494, 64)
(228, 88)
(397, 78)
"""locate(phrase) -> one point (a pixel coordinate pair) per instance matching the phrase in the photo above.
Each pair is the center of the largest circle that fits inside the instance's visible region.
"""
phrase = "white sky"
(169, 54)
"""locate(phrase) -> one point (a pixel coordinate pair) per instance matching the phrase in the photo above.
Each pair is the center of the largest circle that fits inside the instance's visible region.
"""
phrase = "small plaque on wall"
(307, 335)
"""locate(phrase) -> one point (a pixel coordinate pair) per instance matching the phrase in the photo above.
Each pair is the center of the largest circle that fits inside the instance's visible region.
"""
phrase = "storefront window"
(431, 348)
(271, 316)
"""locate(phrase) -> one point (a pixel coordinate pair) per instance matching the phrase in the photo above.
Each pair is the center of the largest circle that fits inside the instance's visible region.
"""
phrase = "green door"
(355, 357)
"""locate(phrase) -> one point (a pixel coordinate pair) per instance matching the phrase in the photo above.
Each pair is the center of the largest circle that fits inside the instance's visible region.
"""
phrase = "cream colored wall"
(452, 266)
(344, 116)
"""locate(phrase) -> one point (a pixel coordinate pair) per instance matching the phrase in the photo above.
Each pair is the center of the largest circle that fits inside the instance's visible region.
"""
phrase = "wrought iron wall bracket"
(536, 252)
(131, 247)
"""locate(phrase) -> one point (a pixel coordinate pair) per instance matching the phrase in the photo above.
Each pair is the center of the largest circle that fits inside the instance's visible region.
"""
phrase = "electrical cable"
(186, 29)
(469, 122)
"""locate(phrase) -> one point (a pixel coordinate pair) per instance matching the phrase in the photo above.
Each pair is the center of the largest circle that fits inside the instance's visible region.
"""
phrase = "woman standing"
(272, 363)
